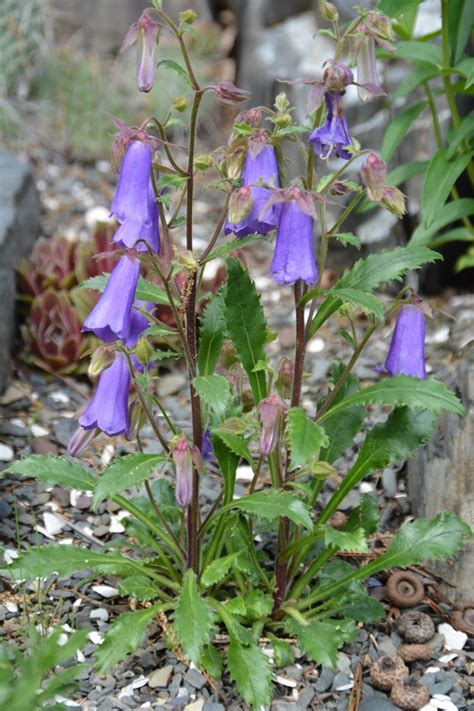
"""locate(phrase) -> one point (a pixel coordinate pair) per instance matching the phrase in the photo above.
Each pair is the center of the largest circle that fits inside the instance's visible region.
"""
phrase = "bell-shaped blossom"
(185, 457)
(145, 33)
(270, 410)
(228, 93)
(293, 257)
(407, 349)
(375, 28)
(260, 166)
(134, 203)
(110, 317)
(333, 136)
(108, 409)
(374, 172)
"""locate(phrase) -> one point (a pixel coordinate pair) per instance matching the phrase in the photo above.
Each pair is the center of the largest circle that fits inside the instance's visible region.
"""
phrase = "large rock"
(19, 228)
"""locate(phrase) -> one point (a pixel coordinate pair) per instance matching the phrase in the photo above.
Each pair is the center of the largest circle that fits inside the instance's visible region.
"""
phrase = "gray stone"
(210, 706)
(377, 704)
(325, 680)
(160, 677)
(387, 647)
(19, 228)
(195, 678)
(341, 679)
(305, 697)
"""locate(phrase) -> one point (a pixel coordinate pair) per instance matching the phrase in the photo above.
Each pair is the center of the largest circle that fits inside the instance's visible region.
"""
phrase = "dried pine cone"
(405, 589)
(416, 627)
(386, 671)
(463, 617)
(410, 694)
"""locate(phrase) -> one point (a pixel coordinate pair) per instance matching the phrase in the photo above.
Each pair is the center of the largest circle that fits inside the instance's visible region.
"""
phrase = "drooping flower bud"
(374, 28)
(102, 358)
(374, 172)
(138, 419)
(80, 441)
(143, 351)
(407, 349)
(394, 200)
(240, 204)
(185, 457)
(187, 17)
(108, 409)
(284, 380)
(235, 162)
(110, 318)
(145, 33)
(269, 409)
(328, 11)
(228, 93)
(252, 117)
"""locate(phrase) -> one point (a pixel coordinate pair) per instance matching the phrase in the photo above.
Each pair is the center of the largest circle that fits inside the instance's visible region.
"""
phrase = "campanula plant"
(200, 571)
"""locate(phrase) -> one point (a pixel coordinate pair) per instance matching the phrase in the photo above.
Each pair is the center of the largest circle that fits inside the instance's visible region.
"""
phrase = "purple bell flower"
(207, 450)
(293, 257)
(333, 135)
(108, 409)
(407, 349)
(260, 166)
(145, 33)
(134, 203)
(110, 317)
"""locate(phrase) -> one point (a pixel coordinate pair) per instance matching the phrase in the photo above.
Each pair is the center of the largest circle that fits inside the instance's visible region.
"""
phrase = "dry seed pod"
(415, 652)
(386, 671)
(405, 589)
(410, 694)
(416, 627)
(463, 617)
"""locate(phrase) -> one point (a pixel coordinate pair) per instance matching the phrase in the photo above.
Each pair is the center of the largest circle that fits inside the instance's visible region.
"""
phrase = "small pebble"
(159, 679)
(6, 453)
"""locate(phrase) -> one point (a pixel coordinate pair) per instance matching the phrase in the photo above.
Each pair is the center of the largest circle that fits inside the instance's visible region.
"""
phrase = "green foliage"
(217, 570)
(398, 128)
(346, 540)
(275, 504)
(123, 637)
(192, 619)
(215, 392)
(25, 677)
(139, 587)
(125, 473)
(54, 470)
(305, 438)
(211, 334)
(146, 290)
(318, 640)
(246, 324)
(250, 670)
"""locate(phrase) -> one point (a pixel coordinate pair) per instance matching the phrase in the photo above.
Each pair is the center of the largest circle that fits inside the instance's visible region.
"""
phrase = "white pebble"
(99, 614)
(244, 473)
(62, 639)
(316, 345)
(53, 524)
(291, 683)
(39, 431)
(366, 487)
(11, 606)
(454, 639)
(115, 525)
(440, 701)
(6, 453)
(446, 658)
(60, 396)
(105, 590)
(95, 637)
(10, 554)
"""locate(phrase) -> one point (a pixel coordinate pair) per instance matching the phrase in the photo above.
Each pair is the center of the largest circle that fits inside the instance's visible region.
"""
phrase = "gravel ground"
(39, 416)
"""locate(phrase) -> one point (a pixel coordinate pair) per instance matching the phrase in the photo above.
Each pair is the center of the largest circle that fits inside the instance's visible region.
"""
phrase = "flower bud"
(228, 93)
(179, 103)
(269, 409)
(186, 260)
(252, 117)
(138, 419)
(187, 17)
(235, 162)
(328, 11)
(202, 161)
(284, 379)
(143, 351)
(240, 204)
(394, 200)
(80, 441)
(184, 457)
(374, 172)
(102, 358)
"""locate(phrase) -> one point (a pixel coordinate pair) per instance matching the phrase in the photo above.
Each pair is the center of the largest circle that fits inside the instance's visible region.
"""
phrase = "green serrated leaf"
(236, 606)
(283, 654)
(215, 392)
(211, 660)
(347, 238)
(246, 324)
(250, 669)
(236, 444)
(440, 178)
(305, 438)
(211, 335)
(275, 504)
(176, 67)
(366, 274)
(365, 515)
(354, 541)
(53, 470)
(41, 561)
(125, 473)
(192, 620)
(217, 570)
(123, 637)
(362, 608)
(404, 390)
(398, 128)
(436, 539)
(318, 640)
(257, 604)
(139, 587)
